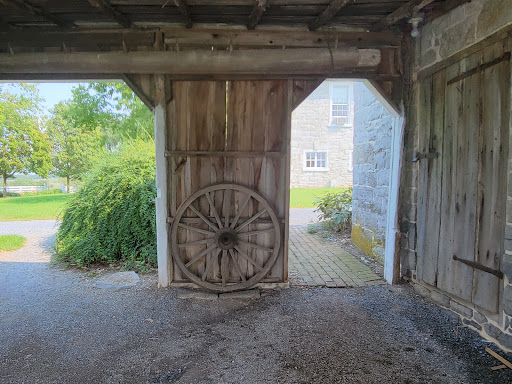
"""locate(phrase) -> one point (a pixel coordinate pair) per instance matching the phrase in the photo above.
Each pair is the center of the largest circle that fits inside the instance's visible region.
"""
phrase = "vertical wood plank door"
(464, 119)
(233, 133)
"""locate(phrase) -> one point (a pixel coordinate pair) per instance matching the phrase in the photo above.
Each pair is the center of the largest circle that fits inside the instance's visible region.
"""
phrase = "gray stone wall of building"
(372, 155)
(311, 131)
(439, 40)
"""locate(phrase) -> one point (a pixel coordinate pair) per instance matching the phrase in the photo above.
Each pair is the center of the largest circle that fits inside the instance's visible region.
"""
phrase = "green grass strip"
(40, 207)
(11, 242)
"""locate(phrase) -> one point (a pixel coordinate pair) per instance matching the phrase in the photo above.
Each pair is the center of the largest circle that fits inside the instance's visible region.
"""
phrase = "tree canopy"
(24, 147)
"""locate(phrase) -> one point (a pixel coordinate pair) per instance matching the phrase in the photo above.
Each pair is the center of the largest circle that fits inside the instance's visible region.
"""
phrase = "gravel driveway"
(55, 327)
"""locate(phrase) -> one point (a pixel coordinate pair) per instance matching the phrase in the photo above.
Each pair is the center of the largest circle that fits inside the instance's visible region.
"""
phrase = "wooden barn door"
(234, 132)
(464, 128)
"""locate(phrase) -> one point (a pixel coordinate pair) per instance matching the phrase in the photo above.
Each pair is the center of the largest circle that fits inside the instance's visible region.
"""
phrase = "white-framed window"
(315, 161)
(341, 95)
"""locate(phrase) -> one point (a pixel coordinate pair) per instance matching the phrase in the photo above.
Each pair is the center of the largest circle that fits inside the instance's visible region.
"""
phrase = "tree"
(114, 108)
(74, 146)
(24, 147)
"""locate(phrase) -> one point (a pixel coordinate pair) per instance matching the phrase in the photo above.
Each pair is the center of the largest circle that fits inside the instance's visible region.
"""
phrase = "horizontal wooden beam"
(111, 12)
(32, 9)
(221, 38)
(332, 9)
(290, 62)
(259, 8)
(405, 11)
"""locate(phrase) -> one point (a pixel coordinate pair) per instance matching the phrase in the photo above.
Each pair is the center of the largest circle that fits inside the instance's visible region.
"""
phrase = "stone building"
(322, 137)
(341, 136)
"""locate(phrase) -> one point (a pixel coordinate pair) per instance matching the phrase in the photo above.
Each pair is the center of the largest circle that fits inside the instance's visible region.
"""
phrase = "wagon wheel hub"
(226, 238)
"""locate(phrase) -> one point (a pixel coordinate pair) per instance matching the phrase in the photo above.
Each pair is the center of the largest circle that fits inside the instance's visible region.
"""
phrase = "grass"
(11, 242)
(41, 207)
(305, 197)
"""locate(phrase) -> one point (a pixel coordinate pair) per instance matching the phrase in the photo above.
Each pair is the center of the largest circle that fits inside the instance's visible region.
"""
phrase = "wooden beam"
(32, 9)
(185, 11)
(260, 6)
(286, 63)
(222, 38)
(405, 11)
(111, 12)
(329, 12)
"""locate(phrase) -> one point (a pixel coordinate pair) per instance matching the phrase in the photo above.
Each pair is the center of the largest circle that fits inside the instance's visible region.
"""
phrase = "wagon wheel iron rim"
(225, 238)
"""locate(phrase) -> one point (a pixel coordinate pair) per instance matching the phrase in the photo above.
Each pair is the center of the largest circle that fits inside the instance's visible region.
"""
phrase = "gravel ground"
(55, 327)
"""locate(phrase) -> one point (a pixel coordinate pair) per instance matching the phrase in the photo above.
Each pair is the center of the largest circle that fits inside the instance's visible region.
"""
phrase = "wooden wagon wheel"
(227, 231)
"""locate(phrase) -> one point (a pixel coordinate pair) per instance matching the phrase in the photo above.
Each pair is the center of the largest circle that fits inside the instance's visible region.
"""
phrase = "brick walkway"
(315, 262)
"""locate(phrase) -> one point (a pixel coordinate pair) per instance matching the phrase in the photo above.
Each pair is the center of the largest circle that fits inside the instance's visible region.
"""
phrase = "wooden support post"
(163, 256)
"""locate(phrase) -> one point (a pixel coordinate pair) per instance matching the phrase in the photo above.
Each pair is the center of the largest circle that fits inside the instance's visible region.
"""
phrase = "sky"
(53, 93)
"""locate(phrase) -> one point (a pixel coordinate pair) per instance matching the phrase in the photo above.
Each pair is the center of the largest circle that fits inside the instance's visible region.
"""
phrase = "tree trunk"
(67, 187)
(4, 194)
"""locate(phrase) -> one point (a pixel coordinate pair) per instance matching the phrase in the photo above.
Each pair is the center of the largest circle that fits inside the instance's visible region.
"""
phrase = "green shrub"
(112, 218)
(10, 194)
(50, 191)
(336, 208)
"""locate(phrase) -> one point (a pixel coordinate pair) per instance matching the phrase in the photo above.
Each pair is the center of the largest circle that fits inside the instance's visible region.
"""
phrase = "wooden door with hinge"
(462, 179)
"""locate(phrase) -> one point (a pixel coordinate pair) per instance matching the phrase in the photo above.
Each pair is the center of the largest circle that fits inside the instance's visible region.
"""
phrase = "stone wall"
(311, 131)
(372, 154)
(441, 39)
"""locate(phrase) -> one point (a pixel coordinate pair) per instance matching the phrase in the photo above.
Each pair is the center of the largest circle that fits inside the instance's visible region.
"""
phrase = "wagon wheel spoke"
(226, 208)
(214, 210)
(213, 261)
(256, 246)
(241, 253)
(194, 229)
(198, 257)
(258, 232)
(201, 216)
(196, 242)
(240, 210)
(224, 267)
(249, 221)
(237, 266)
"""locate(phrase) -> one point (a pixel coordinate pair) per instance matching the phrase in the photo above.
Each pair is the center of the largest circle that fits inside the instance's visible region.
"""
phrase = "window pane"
(340, 94)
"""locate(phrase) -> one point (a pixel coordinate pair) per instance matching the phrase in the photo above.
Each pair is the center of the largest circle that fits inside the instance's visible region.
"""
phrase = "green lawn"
(11, 242)
(41, 207)
(305, 197)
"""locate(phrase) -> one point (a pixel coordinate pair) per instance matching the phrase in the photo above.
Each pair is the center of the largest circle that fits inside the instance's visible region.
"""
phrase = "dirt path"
(55, 327)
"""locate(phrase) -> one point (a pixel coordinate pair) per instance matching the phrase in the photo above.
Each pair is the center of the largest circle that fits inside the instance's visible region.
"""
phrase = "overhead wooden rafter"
(185, 11)
(260, 7)
(332, 9)
(111, 12)
(37, 11)
(404, 12)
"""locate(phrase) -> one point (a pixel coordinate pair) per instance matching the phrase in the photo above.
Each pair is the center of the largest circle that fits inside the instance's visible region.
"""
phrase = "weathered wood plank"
(111, 12)
(38, 11)
(424, 127)
(260, 6)
(492, 185)
(332, 9)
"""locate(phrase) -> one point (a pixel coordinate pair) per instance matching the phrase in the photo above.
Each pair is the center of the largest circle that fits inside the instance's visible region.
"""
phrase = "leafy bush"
(112, 218)
(336, 208)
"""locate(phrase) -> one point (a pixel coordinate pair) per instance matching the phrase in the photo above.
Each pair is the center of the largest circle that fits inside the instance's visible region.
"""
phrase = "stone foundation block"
(479, 317)
(461, 309)
(440, 299)
(421, 290)
(472, 323)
